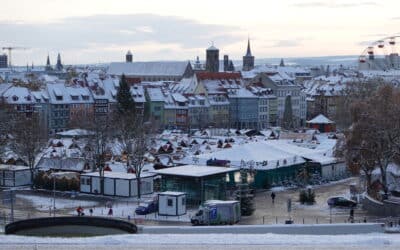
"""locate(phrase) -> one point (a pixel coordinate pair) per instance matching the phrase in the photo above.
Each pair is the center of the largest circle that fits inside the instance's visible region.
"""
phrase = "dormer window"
(28, 98)
(74, 97)
(15, 98)
(59, 97)
(85, 97)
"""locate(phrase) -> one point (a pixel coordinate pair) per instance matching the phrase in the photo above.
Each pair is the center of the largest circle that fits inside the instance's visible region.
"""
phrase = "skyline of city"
(93, 31)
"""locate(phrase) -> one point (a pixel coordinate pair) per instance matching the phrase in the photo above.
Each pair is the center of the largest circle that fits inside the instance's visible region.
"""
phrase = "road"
(319, 211)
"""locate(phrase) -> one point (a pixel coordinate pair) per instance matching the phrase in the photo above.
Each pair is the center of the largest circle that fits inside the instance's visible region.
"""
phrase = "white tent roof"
(320, 119)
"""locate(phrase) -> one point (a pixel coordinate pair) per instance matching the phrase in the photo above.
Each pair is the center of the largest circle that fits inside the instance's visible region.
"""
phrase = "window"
(169, 202)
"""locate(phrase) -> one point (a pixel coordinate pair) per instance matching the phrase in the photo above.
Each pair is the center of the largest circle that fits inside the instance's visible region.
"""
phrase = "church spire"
(59, 65)
(48, 60)
(248, 53)
(282, 63)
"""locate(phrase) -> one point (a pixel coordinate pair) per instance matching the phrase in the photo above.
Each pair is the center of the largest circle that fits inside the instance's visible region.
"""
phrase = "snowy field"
(205, 241)
(42, 203)
(121, 209)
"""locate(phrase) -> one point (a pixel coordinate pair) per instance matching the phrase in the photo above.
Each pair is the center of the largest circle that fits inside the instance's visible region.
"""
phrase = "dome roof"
(129, 53)
(212, 48)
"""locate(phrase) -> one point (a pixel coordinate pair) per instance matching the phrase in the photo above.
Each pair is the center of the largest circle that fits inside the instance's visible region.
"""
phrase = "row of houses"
(205, 99)
(224, 99)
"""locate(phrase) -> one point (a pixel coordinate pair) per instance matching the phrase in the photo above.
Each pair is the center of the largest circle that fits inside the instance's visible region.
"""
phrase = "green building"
(200, 183)
(155, 105)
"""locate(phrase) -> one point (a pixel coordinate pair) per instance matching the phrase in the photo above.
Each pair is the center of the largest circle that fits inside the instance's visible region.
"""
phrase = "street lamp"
(53, 176)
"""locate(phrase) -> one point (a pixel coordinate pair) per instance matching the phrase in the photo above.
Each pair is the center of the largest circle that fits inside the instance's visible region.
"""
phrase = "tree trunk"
(138, 182)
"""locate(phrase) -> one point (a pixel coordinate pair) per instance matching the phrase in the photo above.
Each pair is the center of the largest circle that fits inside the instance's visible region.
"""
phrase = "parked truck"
(216, 212)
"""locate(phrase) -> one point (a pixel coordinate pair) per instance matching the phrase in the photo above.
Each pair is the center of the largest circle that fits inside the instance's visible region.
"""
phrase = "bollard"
(276, 220)
(303, 220)
(263, 220)
(317, 220)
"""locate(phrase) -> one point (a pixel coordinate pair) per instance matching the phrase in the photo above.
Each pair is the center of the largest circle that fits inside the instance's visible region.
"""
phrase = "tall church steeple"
(248, 53)
(48, 65)
(59, 65)
(248, 59)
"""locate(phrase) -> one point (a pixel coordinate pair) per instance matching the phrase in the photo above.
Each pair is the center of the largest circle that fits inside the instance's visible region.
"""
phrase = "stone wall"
(386, 208)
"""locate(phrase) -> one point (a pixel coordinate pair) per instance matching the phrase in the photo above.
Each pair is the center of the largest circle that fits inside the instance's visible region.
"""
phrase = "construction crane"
(9, 53)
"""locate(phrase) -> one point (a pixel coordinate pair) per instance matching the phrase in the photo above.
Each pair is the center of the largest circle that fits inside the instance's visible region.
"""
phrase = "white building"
(116, 184)
(14, 176)
(171, 203)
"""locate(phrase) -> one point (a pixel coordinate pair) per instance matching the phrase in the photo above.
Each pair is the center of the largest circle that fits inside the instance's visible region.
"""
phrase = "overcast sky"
(92, 31)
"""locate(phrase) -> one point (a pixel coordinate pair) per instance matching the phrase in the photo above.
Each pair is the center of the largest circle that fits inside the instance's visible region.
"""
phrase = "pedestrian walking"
(79, 210)
(273, 195)
(351, 217)
(91, 211)
(110, 212)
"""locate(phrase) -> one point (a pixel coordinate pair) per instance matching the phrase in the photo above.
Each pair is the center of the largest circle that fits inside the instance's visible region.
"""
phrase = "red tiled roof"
(132, 80)
(218, 75)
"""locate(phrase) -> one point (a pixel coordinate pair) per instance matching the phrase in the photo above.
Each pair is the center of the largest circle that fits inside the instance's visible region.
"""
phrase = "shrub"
(307, 196)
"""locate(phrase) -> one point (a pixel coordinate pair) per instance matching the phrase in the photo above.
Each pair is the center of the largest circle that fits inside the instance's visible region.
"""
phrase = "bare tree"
(100, 136)
(354, 92)
(5, 125)
(28, 139)
(374, 138)
(140, 145)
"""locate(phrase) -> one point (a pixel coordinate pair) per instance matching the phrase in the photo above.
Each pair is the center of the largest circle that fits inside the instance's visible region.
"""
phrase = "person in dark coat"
(273, 195)
(351, 217)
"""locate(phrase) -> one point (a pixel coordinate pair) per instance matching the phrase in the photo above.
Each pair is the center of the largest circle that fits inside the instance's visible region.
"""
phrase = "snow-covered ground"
(42, 203)
(365, 241)
(121, 208)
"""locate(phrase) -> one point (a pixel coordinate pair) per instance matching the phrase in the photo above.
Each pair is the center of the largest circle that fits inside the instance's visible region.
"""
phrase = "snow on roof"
(137, 93)
(13, 167)
(241, 92)
(194, 171)
(20, 95)
(155, 94)
(75, 132)
(4, 87)
(178, 97)
(211, 202)
(166, 68)
(258, 152)
(171, 193)
(320, 119)
(58, 93)
(118, 175)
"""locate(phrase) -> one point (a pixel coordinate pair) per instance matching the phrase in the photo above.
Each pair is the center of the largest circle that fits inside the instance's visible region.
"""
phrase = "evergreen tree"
(288, 114)
(125, 101)
(243, 194)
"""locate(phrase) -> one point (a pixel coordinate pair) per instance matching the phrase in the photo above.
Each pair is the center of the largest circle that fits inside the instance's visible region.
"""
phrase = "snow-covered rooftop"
(194, 171)
(163, 68)
(118, 175)
(320, 119)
